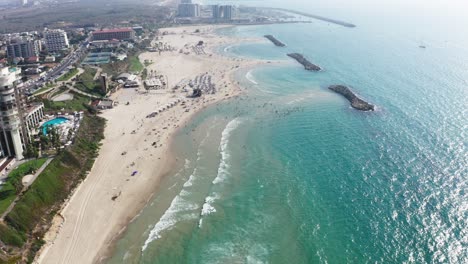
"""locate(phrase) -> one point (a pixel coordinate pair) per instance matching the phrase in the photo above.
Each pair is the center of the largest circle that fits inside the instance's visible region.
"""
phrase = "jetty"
(302, 60)
(275, 40)
(326, 19)
(356, 102)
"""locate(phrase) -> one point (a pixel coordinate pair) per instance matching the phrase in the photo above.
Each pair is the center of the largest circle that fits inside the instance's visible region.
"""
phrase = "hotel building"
(56, 40)
(118, 33)
(16, 120)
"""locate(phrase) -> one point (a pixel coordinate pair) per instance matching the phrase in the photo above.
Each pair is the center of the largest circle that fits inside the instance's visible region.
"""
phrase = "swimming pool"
(53, 122)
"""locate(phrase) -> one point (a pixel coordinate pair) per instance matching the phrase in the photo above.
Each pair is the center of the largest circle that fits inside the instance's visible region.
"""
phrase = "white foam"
(208, 207)
(250, 77)
(223, 169)
(226, 49)
(191, 179)
(171, 217)
(187, 164)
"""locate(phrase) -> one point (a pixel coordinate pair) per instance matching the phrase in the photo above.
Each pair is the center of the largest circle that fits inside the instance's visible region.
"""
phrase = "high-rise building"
(223, 11)
(56, 40)
(186, 1)
(188, 10)
(11, 134)
(16, 120)
(227, 12)
(24, 48)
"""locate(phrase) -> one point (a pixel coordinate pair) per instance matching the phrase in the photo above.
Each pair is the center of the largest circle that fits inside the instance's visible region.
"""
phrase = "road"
(69, 60)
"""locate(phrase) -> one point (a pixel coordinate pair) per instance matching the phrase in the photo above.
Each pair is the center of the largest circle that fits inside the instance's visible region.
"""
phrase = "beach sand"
(92, 220)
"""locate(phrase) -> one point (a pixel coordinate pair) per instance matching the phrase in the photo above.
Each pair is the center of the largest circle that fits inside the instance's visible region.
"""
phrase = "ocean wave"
(223, 147)
(207, 208)
(191, 179)
(250, 77)
(171, 217)
(223, 169)
(226, 49)
(179, 208)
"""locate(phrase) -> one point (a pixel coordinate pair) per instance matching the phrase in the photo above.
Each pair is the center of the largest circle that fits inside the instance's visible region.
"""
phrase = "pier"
(356, 102)
(307, 64)
(326, 19)
(275, 40)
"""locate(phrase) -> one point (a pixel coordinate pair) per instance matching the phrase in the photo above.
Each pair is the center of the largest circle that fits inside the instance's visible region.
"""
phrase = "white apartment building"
(16, 121)
(55, 40)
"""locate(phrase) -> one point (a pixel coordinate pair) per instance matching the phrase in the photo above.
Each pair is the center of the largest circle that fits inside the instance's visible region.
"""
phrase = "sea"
(290, 173)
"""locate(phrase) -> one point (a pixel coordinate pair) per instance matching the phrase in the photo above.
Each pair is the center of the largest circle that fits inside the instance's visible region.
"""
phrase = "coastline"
(68, 240)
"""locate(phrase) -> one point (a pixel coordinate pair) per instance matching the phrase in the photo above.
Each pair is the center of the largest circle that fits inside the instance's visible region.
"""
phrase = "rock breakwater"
(302, 60)
(275, 40)
(356, 102)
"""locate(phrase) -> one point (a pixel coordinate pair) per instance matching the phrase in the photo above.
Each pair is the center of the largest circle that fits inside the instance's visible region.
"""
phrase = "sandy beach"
(110, 197)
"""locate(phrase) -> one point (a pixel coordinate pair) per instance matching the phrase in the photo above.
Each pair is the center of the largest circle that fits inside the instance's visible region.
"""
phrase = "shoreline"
(132, 198)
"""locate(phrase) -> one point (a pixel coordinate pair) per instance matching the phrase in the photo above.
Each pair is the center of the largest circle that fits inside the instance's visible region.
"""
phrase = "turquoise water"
(289, 173)
(53, 122)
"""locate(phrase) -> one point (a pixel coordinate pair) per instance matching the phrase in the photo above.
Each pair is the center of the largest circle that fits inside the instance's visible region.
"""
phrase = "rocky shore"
(275, 40)
(356, 102)
(307, 64)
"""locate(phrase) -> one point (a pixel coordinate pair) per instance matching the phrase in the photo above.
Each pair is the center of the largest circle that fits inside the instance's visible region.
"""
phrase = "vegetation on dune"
(14, 185)
(135, 64)
(38, 18)
(30, 218)
(86, 82)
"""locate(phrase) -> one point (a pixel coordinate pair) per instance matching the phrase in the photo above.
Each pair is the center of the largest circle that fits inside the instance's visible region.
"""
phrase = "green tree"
(31, 151)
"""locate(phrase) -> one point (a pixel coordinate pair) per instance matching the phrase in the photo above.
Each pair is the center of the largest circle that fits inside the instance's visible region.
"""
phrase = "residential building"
(117, 33)
(225, 12)
(56, 40)
(188, 10)
(11, 134)
(16, 120)
(23, 48)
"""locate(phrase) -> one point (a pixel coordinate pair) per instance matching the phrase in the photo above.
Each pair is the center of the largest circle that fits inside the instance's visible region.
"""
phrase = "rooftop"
(115, 30)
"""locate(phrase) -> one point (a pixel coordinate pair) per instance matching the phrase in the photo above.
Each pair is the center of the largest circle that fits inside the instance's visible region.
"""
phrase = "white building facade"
(17, 122)
(11, 134)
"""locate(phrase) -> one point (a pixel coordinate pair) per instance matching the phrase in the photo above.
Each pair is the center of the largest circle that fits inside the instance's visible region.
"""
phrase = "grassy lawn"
(8, 192)
(135, 64)
(48, 86)
(86, 82)
(78, 103)
(67, 76)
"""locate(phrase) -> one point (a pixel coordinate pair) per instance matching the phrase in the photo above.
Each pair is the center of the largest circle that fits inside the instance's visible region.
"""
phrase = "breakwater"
(302, 60)
(356, 102)
(275, 40)
(326, 19)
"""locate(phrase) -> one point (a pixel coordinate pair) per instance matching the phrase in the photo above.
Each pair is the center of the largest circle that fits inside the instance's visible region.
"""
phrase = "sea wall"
(302, 60)
(356, 102)
(275, 40)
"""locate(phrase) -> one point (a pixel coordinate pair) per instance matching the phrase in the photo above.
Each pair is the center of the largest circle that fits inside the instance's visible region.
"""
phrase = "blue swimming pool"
(53, 122)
